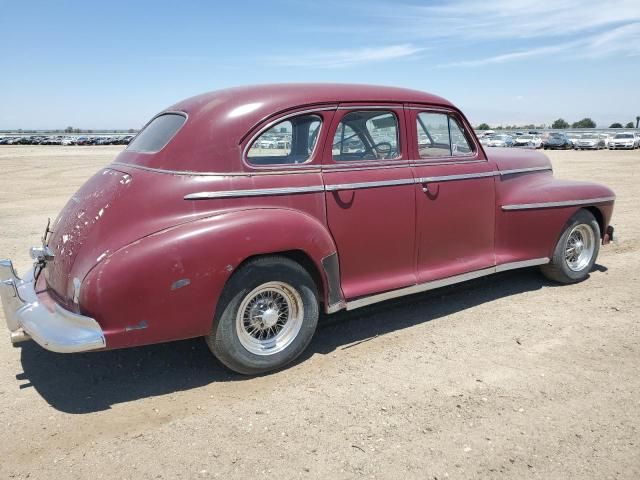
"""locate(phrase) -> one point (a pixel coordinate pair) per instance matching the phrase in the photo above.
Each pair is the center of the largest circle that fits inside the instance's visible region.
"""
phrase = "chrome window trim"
(256, 192)
(274, 122)
(565, 203)
(168, 112)
(443, 282)
(397, 106)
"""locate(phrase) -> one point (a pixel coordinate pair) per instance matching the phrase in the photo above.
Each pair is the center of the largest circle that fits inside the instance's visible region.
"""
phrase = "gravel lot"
(504, 377)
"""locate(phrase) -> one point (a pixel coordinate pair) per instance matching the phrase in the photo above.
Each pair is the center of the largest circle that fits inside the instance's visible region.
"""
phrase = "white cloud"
(508, 57)
(512, 19)
(344, 58)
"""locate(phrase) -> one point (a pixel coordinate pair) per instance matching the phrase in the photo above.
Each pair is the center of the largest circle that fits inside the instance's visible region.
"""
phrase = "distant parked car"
(624, 141)
(557, 140)
(589, 141)
(574, 137)
(528, 141)
(500, 141)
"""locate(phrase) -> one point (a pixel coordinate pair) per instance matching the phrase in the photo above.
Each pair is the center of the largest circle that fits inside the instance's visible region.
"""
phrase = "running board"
(443, 282)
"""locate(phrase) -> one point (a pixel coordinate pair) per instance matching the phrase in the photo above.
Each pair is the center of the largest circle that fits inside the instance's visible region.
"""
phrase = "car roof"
(220, 120)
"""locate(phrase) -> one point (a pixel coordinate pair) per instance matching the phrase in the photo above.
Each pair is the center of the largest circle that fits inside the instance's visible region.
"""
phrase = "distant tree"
(89, 131)
(629, 125)
(615, 125)
(584, 123)
(499, 127)
(484, 126)
(560, 123)
(131, 130)
(68, 130)
(76, 130)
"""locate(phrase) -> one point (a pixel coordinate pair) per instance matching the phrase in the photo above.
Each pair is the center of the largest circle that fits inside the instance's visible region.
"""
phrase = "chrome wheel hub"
(269, 318)
(579, 247)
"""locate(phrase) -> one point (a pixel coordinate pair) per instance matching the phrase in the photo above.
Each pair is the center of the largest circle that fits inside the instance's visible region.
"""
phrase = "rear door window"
(157, 134)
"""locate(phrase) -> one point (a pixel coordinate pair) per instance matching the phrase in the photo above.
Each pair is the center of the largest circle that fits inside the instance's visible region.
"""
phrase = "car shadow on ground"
(90, 382)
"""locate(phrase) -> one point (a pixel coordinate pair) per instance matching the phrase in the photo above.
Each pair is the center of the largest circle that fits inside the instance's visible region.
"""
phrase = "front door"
(370, 198)
(455, 195)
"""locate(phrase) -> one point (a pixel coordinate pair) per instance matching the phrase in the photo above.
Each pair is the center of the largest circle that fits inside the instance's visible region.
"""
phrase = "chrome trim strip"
(257, 192)
(525, 170)
(566, 203)
(260, 192)
(450, 178)
(381, 183)
(443, 282)
(305, 168)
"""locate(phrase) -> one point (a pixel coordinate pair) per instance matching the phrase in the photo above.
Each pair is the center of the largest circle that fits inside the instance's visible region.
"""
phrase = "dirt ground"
(504, 377)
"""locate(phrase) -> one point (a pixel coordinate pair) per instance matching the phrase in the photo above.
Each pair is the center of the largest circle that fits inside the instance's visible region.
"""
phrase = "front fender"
(165, 286)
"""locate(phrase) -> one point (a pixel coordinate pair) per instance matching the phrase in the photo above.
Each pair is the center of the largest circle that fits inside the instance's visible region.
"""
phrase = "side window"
(291, 141)
(433, 135)
(459, 142)
(366, 135)
(441, 135)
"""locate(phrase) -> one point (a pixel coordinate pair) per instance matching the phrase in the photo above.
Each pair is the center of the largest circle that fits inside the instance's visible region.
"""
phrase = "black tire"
(224, 340)
(559, 270)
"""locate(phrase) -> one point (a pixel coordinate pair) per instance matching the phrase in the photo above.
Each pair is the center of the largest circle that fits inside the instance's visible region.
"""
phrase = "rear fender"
(165, 286)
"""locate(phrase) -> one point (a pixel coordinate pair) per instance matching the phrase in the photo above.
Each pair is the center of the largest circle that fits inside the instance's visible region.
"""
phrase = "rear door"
(455, 195)
(370, 198)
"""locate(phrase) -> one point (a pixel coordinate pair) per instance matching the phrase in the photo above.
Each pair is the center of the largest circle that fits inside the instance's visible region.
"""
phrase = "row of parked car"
(65, 140)
(562, 140)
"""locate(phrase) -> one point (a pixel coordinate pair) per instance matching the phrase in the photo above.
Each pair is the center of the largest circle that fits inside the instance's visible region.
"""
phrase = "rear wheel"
(576, 250)
(267, 316)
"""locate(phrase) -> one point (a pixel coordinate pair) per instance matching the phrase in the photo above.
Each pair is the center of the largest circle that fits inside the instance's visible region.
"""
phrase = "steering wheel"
(385, 152)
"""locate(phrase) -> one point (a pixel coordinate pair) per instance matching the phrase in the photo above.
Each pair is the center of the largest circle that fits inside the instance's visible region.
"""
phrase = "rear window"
(157, 133)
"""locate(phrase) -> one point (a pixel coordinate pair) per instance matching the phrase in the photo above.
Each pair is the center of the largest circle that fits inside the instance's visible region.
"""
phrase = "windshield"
(624, 135)
(526, 137)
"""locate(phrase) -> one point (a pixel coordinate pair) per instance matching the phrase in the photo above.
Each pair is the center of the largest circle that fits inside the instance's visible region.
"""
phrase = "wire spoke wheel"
(269, 318)
(579, 247)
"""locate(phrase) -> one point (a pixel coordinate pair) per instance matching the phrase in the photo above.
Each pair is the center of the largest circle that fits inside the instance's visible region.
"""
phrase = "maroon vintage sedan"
(238, 215)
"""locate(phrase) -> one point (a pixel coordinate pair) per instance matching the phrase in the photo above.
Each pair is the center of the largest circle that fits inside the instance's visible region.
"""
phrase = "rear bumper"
(51, 326)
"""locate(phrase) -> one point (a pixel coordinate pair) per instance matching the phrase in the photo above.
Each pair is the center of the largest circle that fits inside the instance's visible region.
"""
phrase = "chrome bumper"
(59, 330)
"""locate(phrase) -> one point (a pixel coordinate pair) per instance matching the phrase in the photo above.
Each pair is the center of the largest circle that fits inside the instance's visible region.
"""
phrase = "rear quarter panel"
(133, 294)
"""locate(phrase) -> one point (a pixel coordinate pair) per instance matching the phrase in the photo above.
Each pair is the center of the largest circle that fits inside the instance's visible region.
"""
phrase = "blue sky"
(114, 64)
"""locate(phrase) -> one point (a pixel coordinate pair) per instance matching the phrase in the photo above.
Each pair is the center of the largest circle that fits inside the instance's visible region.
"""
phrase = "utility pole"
(637, 121)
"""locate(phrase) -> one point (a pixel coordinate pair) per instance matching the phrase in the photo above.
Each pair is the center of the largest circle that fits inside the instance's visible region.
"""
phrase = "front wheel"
(267, 316)
(576, 250)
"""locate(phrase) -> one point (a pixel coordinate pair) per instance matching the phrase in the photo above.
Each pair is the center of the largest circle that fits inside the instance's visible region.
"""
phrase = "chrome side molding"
(443, 282)
(566, 203)
(261, 192)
